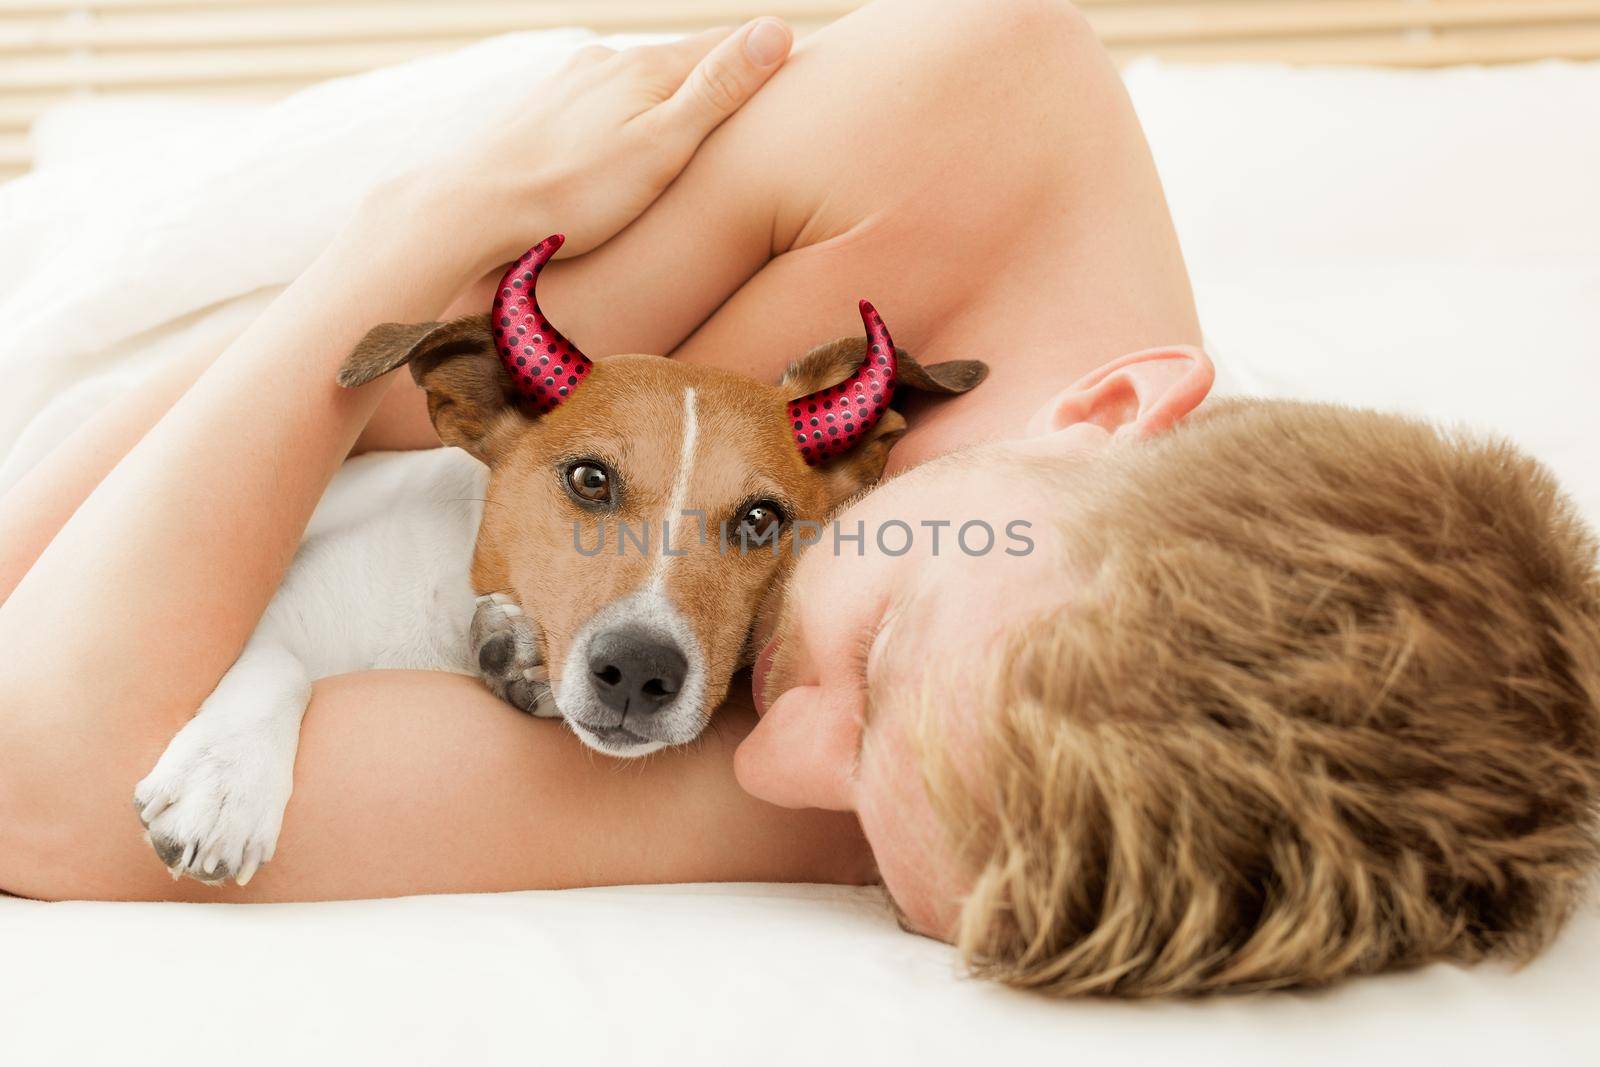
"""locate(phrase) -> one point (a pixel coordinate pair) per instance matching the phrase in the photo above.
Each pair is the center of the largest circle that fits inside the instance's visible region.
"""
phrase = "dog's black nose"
(635, 671)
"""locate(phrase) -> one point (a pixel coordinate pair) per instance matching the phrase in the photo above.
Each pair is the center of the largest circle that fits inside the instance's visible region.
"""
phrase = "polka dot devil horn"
(545, 365)
(830, 422)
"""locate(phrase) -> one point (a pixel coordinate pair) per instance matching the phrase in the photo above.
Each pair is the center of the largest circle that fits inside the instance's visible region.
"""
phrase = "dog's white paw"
(505, 646)
(214, 803)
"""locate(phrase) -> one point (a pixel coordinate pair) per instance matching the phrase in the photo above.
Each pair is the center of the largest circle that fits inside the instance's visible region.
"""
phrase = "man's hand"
(599, 140)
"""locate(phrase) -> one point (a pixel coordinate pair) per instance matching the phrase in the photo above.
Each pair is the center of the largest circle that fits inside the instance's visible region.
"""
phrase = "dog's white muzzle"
(634, 680)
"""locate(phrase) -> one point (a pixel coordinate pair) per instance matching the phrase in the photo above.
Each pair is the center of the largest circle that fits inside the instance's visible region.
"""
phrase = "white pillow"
(1418, 240)
(1266, 162)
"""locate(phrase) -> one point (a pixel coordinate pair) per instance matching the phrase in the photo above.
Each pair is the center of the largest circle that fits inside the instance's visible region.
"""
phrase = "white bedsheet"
(1422, 241)
(686, 975)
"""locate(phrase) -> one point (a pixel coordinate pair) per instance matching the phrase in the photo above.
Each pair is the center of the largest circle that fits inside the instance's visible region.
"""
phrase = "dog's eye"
(590, 481)
(761, 521)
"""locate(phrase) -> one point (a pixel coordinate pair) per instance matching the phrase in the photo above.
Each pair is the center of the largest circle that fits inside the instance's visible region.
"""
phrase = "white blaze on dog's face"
(640, 522)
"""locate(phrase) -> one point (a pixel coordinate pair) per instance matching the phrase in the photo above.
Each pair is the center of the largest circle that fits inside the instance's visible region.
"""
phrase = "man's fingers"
(729, 75)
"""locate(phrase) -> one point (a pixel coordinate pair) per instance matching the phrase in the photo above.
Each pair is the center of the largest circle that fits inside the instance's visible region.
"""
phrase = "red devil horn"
(545, 365)
(832, 421)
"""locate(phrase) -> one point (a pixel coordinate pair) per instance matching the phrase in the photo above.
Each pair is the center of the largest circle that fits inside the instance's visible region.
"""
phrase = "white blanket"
(1422, 241)
(137, 225)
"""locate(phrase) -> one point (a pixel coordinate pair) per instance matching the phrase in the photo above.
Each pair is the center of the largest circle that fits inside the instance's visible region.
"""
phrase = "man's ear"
(1137, 395)
(828, 365)
(472, 398)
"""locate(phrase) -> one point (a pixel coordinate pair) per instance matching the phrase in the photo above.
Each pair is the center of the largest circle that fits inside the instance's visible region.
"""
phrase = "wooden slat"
(1520, 46)
(618, 13)
(232, 28)
(60, 6)
(13, 150)
(359, 23)
(17, 112)
(1129, 23)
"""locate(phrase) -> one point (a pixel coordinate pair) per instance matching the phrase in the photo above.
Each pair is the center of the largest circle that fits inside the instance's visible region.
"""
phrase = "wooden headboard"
(55, 49)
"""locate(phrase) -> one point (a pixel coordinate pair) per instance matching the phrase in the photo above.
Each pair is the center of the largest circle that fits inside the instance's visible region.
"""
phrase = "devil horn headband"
(832, 421)
(545, 365)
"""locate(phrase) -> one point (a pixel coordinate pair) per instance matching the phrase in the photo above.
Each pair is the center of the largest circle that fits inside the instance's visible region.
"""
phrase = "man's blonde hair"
(1321, 700)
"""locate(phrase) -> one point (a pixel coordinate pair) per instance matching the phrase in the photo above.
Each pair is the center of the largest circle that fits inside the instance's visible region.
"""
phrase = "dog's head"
(640, 515)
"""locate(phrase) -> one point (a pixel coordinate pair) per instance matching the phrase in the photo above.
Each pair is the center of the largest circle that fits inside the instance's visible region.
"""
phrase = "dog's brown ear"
(946, 379)
(472, 398)
(828, 365)
(835, 361)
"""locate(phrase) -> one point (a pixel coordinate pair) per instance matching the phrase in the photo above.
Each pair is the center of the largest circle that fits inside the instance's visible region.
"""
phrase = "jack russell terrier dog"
(637, 506)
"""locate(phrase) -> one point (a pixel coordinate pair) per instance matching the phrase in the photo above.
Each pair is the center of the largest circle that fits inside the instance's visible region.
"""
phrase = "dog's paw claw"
(211, 804)
(250, 865)
(149, 808)
(505, 646)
